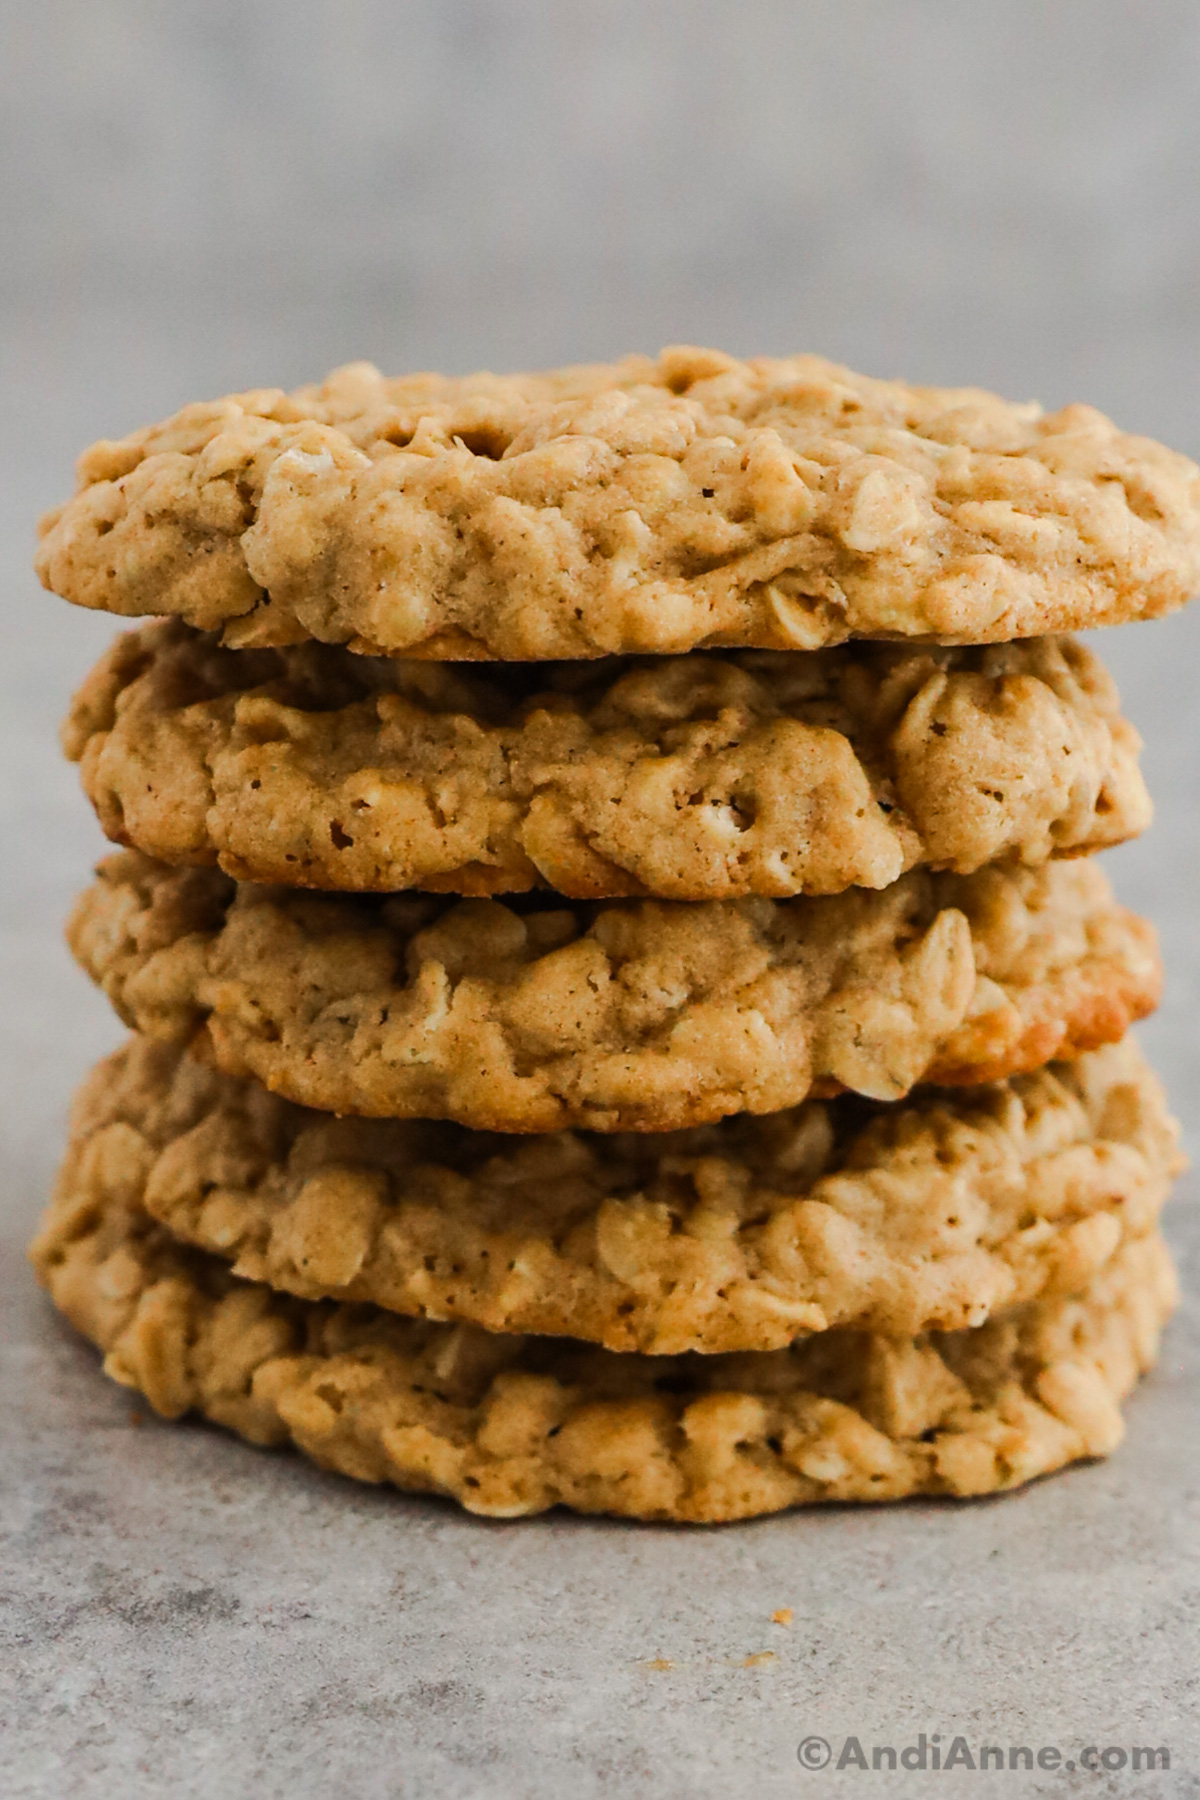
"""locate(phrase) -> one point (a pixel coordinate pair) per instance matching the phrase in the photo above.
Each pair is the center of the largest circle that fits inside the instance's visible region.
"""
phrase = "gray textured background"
(202, 197)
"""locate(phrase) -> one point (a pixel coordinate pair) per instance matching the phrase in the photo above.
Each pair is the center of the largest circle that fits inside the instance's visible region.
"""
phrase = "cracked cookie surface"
(642, 1015)
(934, 1213)
(693, 778)
(655, 505)
(510, 1425)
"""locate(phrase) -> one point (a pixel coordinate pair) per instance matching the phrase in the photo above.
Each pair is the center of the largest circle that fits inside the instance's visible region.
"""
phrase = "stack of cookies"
(625, 1011)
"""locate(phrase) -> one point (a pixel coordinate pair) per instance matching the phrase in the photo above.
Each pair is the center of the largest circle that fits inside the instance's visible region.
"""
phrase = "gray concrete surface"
(198, 197)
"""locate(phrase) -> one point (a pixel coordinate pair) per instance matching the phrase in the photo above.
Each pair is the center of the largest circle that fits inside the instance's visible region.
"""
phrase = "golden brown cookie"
(654, 505)
(704, 777)
(511, 1425)
(642, 1015)
(739, 1236)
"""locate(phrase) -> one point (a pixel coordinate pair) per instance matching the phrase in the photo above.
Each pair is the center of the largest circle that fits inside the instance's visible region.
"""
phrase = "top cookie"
(649, 505)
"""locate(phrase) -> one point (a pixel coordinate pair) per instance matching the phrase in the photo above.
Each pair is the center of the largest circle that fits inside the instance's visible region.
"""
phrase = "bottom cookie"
(510, 1425)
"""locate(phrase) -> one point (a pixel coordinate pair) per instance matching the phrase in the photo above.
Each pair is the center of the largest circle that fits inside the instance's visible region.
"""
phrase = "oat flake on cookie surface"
(934, 1213)
(702, 777)
(513, 1425)
(534, 1014)
(653, 505)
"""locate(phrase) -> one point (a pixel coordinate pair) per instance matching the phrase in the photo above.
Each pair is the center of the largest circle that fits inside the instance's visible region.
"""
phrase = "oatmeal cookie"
(510, 1425)
(657, 504)
(703, 777)
(932, 1214)
(647, 1015)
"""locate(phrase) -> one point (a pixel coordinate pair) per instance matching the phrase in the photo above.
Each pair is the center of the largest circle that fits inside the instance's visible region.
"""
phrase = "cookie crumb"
(782, 1616)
